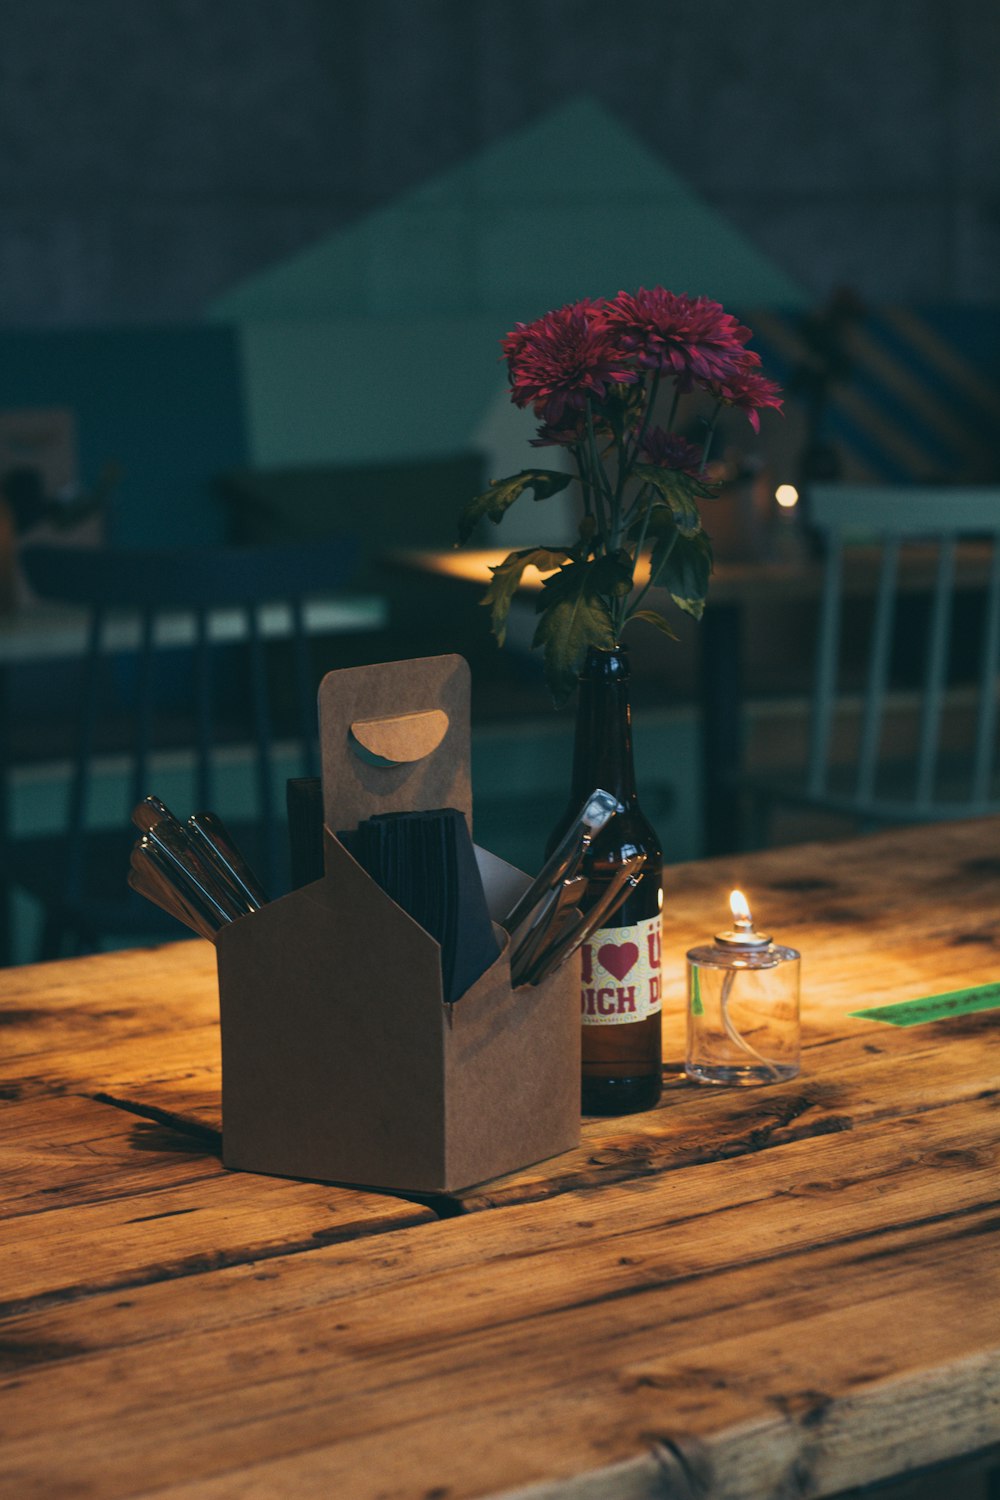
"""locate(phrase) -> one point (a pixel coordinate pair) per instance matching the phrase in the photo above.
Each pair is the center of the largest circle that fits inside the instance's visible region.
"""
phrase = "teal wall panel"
(164, 404)
(381, 340)
(574, 205)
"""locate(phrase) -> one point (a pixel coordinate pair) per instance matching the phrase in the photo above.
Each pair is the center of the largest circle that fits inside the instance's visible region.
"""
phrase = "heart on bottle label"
(618, 958)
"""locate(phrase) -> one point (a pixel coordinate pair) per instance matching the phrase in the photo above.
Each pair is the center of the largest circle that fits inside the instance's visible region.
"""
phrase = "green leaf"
(667, 536)
(680, 492)
(682, 565)
(502, 493)
(652, 618)
(568, 626)
(506, 581)
(686, 573)
(693, 607)
(610, 576)
(597, 577)
(660, 522)
(575, 614)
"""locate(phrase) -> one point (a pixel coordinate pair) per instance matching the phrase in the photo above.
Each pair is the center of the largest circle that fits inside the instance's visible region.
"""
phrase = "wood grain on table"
(757, 1293)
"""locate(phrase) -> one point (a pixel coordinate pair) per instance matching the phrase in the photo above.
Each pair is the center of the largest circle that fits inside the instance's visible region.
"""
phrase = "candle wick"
(734, 1035)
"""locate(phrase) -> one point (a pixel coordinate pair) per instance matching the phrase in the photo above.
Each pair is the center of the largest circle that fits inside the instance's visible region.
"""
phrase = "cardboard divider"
(340, 1059)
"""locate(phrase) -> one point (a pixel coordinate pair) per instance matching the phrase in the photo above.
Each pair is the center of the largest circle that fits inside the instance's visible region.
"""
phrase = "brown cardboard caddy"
(340, 1059)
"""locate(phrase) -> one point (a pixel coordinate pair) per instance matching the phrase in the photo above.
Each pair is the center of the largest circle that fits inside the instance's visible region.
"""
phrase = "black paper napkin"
(426, 863)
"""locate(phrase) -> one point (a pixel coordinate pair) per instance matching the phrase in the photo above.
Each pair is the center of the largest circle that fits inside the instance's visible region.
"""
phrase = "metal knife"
(213, 837)
(180, 873)
(548, 923)
(154, 817)
(145, 878)
(573, 937)
(564, 861)
(158, 884)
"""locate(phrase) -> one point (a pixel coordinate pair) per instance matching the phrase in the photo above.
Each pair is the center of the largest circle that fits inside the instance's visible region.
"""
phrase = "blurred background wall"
(281, 233)
(256, 257)
(153, 155)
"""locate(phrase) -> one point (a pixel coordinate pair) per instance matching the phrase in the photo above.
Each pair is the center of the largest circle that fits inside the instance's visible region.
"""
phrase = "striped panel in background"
(922, 403)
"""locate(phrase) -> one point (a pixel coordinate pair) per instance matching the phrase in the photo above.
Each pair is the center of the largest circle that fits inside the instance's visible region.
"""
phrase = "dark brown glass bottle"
(620, 964)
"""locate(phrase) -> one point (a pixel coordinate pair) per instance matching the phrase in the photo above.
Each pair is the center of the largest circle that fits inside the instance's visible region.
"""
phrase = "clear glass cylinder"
(743, 1014)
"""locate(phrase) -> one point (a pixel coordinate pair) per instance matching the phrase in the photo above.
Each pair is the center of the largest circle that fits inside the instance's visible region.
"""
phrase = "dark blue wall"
(152, 155)
(163, 404)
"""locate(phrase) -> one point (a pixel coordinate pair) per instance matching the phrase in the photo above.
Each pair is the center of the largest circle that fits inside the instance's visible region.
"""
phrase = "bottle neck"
(602, 753)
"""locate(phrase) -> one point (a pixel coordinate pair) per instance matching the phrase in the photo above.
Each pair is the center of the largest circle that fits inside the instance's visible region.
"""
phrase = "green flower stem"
(653, 576)
(636, 505)
(600, 481)
(648, 412)
(615, 539)
(645, 524)
(590, 490)
(709, 435)
(577, 453)
(623, 611)
(622, 479)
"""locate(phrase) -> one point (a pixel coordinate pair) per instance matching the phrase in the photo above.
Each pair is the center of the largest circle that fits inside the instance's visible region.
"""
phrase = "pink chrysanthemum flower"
(563, 358)
(570, 432)
(668, 450)
(747, 389)
(691, 338)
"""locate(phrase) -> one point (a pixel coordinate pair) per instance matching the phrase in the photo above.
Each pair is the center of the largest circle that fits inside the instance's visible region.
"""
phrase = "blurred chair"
(905, 546)
(202, 654)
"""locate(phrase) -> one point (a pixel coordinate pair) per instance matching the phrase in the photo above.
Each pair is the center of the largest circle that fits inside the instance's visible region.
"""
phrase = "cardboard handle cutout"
(399, 738)
(395, 738)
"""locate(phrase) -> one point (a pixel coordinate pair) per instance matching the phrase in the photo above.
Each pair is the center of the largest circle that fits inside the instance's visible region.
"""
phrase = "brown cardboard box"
(340, 1060)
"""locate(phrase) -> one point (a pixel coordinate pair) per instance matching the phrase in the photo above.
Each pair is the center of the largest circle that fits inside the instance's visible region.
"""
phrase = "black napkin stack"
(304, 802)
(426, 863)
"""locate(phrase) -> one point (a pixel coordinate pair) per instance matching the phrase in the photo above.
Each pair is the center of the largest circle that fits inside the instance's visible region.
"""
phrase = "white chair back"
(893, 519)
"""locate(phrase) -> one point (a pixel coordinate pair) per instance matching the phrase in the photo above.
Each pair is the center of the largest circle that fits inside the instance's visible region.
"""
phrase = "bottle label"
(621, 974)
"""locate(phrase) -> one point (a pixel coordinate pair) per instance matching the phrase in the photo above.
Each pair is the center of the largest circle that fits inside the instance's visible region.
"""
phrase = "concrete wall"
(153, 153)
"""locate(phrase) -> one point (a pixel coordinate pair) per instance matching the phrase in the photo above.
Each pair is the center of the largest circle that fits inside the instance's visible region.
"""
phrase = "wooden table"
(739, 1295)
(736, 588)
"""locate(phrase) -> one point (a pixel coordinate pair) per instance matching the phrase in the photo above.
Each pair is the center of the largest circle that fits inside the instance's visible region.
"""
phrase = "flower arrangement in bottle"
(607, 380)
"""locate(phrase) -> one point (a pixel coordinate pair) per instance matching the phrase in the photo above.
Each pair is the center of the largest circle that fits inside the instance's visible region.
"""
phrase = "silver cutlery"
(211, 835)
(210, 858)
(564, 861)
(193, 871)
(547, 924)
(574, 935)
(150, 881)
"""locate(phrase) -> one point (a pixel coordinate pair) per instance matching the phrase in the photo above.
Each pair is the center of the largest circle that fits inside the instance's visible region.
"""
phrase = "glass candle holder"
(743, 1007)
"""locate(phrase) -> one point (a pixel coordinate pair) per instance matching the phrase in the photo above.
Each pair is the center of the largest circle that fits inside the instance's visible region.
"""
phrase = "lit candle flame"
(740, 909)
(787, 496)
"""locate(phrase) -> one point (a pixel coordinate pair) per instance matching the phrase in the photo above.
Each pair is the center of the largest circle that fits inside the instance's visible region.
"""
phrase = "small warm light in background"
(787, 496)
